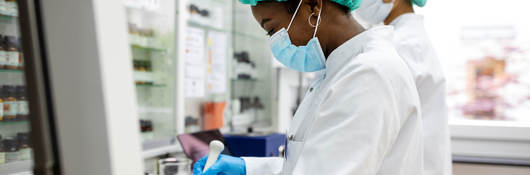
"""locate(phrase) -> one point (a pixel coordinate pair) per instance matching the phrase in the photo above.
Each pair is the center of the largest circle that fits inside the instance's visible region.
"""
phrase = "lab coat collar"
(355, 46)
(402, 19)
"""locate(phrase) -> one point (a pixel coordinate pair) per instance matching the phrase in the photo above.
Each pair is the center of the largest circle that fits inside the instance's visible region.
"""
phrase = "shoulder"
(376, 66)
(412, 38)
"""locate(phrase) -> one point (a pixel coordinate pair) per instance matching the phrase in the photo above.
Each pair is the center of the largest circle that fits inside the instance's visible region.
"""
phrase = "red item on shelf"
(213, 115)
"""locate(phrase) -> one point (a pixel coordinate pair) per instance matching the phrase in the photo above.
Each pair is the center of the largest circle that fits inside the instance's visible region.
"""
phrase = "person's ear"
(316, 8)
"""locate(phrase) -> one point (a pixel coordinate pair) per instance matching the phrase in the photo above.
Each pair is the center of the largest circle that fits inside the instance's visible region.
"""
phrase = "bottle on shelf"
(10, 104)
(133, 34)
(20, 55)
(23, 108)
(146, 128)
(11, 148)
(24, 151)
(148, 66)
(1, 103)
(146, 125)
(13, 56)
(3, 51)
(259, 109)
(244, 68)
(2, 151)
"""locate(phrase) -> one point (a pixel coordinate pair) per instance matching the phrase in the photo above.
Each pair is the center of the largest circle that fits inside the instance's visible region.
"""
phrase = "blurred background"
(120, 87)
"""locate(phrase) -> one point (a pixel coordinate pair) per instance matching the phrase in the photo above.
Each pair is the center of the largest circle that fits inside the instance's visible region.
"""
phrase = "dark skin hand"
(336, 26)
(400, 7)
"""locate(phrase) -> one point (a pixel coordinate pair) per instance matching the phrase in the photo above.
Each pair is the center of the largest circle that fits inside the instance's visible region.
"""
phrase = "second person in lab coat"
(360, 116)
(413, 45)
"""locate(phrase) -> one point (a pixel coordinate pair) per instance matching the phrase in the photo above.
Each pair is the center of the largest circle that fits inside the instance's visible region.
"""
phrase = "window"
(484, 48)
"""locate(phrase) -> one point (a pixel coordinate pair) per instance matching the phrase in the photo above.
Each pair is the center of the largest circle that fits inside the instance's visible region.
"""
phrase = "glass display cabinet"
(253, 77)
(151, 26)
(15, 152)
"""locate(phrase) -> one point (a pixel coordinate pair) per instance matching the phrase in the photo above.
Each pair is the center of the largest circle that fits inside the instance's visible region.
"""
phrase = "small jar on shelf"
(23, 108)
(13, 54)
(20, 55)
(3, 52)
(24, 151)
(11, 149)
(10, 103)
(2, 152)
(134, 34)
(1, 104)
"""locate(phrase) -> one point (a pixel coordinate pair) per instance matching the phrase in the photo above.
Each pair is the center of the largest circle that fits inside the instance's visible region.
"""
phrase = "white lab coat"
(361, 116)
(413, 45)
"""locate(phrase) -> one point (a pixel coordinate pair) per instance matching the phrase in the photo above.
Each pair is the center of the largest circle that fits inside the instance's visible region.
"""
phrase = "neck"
(401, 7)
(337, 31)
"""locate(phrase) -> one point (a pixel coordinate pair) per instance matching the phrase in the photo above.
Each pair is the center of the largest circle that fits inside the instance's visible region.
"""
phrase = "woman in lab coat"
(413, 45)
(362, 113)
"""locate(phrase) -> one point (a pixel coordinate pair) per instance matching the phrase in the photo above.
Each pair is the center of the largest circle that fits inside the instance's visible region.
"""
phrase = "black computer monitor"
(196, 145)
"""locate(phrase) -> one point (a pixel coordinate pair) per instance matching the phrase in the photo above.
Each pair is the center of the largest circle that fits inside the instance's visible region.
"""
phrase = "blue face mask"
(308, 58)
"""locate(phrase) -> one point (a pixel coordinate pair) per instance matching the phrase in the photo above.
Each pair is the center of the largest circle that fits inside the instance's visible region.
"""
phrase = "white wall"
(92, 87)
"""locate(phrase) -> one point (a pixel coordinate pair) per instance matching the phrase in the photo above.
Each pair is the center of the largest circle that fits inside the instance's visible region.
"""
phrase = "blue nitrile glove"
(225, 165)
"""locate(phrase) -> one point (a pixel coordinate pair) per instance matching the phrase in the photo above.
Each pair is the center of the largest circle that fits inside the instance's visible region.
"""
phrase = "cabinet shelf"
(203, 26)
(135, 46)
(244, 79)
(11, 70)
(3, 16)
(19, 122)
(150, 85)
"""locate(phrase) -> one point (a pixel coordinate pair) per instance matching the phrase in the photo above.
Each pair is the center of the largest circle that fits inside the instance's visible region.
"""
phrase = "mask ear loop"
(318, 22)
(295, 12)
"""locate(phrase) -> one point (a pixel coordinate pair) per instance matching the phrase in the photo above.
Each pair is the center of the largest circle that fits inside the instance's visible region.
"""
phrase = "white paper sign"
(194, 82)
(217, 52)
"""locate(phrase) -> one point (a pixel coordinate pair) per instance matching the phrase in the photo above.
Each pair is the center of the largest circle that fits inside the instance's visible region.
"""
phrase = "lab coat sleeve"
(263, 165)
(355, 126)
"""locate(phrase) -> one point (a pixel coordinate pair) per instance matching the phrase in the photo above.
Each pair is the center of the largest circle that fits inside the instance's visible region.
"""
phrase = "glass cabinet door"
(151, 26)
(252, 77)
(15, 152)
(205, 60)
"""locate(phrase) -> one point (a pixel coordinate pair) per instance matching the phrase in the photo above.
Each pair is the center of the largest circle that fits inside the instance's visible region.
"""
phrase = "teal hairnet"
(419, 3)
(351, 4)
(255, 2)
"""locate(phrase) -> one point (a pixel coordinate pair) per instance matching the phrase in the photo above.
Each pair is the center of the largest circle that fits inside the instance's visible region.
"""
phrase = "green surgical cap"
(351, 4)
(419, 3)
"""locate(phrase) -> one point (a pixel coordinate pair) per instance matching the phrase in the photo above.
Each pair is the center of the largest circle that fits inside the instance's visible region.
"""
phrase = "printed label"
(3, 58)
(23, 108)
(11, 8)
(10, 108)
(1, 110)
(12, 58)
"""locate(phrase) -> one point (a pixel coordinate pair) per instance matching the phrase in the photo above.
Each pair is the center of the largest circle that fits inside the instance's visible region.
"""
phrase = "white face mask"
(374, 11)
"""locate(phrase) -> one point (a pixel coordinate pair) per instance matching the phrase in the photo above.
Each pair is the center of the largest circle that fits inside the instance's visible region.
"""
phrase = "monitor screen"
(196, 145)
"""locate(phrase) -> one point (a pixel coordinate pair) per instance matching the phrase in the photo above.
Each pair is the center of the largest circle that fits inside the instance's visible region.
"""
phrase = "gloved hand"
(225, 165)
